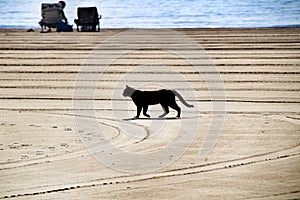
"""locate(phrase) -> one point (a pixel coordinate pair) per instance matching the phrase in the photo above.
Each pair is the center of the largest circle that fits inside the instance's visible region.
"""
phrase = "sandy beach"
(244, 83)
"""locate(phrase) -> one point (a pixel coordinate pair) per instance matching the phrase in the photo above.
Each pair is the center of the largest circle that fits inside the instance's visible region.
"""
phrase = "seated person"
(63, 5)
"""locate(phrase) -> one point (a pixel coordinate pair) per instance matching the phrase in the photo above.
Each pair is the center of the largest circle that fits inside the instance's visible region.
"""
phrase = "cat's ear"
(127, 86)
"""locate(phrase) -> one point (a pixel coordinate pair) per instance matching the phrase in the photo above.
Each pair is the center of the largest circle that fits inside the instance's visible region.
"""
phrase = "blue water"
(163, 13)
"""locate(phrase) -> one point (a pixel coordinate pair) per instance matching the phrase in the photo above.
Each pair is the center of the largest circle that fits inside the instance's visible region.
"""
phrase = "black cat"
(165, 98)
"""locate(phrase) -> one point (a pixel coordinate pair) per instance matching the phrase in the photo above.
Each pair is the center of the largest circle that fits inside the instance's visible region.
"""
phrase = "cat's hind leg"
(166, 109)
(145, 108)
(177, 108)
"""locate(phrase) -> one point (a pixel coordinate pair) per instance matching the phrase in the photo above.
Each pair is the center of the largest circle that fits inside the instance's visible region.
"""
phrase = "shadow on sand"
(149, 118)
(158, 118)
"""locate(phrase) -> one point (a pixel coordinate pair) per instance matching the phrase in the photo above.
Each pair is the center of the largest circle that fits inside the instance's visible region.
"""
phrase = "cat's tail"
(182, 99)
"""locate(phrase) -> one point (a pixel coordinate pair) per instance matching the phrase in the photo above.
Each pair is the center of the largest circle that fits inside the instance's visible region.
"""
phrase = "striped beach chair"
(51, 15)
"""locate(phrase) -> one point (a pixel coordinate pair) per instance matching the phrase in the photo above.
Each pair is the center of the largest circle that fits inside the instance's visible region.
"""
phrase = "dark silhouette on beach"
(166, 98)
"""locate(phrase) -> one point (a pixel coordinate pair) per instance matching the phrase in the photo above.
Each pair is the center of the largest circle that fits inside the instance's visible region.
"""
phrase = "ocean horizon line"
(162, 27)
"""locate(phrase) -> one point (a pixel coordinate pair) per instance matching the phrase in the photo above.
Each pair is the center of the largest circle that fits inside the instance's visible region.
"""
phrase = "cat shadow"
(160, 118)
(153, 118)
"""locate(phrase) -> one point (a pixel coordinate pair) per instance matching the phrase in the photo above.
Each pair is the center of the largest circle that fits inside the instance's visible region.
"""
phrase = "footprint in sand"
(39, 153)
(51, 148)
(64, 145)
(14, 146)
(34, 125)
(26, 145)
(24, 157)
(68, 129)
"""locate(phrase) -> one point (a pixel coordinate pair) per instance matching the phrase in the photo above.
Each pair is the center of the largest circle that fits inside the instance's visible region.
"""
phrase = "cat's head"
(128, 91)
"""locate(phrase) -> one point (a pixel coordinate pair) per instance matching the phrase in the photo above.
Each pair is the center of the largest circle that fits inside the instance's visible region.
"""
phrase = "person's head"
(63, 4)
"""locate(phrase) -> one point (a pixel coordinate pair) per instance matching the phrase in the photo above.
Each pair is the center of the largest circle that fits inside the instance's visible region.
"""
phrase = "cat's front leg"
(138, 112)
(145, 108)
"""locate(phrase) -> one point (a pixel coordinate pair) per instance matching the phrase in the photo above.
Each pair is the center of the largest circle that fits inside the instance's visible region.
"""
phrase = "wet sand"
(257, 155)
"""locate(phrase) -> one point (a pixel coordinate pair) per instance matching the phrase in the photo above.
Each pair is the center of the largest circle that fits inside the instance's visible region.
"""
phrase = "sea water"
(162, 13)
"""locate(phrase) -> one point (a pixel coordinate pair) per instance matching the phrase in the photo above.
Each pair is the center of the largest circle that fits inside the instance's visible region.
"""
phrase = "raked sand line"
(267, 157)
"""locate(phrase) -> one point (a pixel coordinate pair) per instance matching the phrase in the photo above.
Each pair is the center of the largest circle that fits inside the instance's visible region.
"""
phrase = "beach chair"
(88, 19)
(51, 15)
